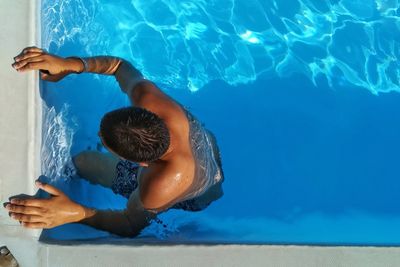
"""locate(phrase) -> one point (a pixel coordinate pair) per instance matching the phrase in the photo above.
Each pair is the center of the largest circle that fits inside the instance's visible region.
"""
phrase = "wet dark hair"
(135, 134)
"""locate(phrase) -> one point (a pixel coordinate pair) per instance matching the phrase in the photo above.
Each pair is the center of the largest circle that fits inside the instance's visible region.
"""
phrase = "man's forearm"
(116, 222)
(111, 221)
(125, 73)
(101, 64)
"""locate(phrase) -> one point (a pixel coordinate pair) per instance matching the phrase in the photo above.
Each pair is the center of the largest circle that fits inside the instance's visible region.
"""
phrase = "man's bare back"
(172, 175)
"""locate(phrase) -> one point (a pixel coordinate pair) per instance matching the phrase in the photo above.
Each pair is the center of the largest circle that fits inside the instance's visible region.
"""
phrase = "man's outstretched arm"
(54, 68)
(59, 210)
(129, 222)
(140, 91)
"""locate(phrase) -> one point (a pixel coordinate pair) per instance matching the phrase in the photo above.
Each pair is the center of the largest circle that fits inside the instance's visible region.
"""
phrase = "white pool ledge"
(20, 104)
(20, 125)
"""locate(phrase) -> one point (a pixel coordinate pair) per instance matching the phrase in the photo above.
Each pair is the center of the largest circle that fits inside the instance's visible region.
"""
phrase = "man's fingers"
(32, 49)
(37, 225)
(24, 209)
(26, 218)
(50, 78)
(22, 63)
(27, 55)
(33, 66)
(49, 189)
(44, 76)
(33, 202)
(28, 50)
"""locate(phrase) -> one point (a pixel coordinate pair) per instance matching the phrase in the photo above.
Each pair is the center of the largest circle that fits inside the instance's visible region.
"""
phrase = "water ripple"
(190, 43)
(56, 143)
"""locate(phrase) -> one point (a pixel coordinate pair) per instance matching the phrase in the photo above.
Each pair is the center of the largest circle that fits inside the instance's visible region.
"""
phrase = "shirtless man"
(177, 160)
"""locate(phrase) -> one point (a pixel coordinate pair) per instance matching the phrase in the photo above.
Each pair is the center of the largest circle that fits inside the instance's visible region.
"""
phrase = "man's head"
(135, 134)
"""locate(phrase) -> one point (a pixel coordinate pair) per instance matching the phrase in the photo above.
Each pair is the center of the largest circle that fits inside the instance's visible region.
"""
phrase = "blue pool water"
(302, 95)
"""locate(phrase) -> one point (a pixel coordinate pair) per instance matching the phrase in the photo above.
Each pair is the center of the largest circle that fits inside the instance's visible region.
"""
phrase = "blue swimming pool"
(302, 95)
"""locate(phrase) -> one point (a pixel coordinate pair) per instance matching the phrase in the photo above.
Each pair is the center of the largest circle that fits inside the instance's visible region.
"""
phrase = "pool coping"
(20, 163)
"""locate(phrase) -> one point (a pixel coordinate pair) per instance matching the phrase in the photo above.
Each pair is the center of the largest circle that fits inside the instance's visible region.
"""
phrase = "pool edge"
(20, 136)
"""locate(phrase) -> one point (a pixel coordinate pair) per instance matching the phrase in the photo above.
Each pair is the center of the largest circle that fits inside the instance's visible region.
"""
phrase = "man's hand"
(52, 67)
(45, 213)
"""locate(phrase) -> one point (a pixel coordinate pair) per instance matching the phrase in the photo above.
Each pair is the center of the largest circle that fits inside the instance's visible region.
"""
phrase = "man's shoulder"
(149, 96)
(180, 162)
(166, 182)
(145, 91)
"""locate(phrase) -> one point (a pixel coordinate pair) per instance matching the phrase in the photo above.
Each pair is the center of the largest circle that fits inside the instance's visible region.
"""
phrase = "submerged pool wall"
(20, 137)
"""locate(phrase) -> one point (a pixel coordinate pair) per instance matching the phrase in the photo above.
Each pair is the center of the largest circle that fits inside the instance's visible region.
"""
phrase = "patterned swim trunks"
(126, 182)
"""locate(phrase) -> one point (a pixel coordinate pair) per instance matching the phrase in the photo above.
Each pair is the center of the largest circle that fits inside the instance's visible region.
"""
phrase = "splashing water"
(190, 43)
(56, 144)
